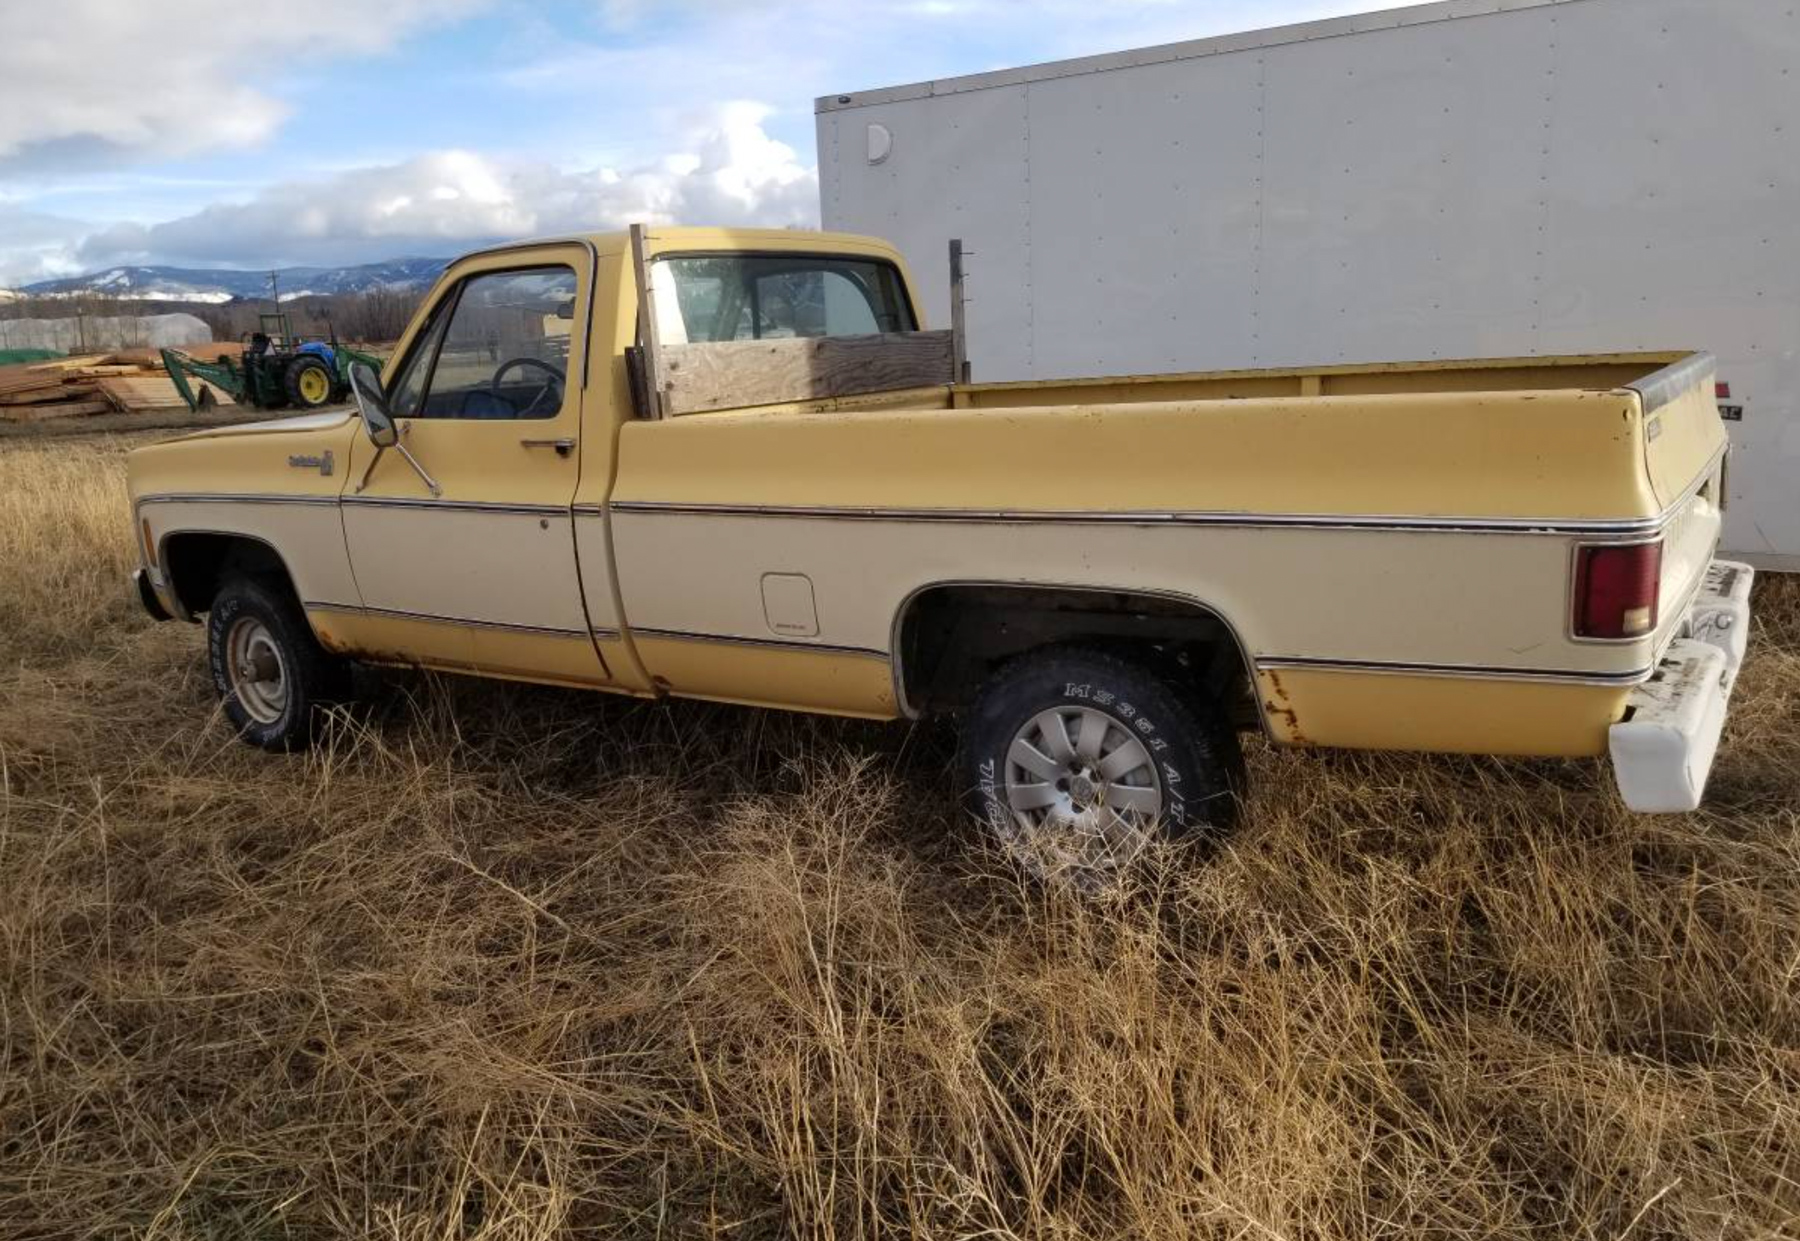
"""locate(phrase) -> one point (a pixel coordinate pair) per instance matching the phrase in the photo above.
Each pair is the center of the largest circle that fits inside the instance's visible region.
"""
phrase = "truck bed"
(1599, 373)
(1592, 373)
(1611, 446)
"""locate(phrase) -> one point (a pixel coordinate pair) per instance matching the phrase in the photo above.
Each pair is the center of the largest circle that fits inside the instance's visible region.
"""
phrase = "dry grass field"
(500, 962)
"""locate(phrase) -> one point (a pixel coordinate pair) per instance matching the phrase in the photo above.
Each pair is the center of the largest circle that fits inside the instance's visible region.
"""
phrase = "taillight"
(1616, 589)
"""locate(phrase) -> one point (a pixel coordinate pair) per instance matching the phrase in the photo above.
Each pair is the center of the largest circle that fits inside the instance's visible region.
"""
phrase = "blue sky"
(227, 133)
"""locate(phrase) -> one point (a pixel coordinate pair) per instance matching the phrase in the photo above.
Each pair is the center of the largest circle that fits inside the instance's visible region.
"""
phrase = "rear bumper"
(1663, 748)
(147, 596)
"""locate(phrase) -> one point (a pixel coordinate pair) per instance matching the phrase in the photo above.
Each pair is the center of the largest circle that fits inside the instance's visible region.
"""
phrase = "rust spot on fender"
(1279, 709)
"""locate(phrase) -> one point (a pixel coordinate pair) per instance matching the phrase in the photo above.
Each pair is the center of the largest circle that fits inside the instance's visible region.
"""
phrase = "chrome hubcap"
(258, 674)
(1083, 789)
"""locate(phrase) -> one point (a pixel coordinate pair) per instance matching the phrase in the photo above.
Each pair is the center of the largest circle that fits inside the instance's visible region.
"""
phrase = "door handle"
(563, 447)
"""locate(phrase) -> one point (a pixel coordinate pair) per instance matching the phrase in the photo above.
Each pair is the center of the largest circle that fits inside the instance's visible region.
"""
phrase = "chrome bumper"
(1662, 750)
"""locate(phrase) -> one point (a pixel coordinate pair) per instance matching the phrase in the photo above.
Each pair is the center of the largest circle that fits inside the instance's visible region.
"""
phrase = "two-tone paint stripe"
(355, 501)
(1585, 528)
(597, 632)
(470, 622)
(1451, 671)
(785, 644)
(1478, 672)
(1550, 675)
(1594, 529)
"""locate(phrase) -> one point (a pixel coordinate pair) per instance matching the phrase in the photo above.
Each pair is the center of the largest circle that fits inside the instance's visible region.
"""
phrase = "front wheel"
(271, 674)
(1076, 760)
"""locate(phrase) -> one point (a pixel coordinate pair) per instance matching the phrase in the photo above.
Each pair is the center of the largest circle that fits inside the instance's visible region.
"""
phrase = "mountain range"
(205, 284)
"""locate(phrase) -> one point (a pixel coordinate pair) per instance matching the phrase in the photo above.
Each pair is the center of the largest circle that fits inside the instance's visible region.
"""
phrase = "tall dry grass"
(509, 963)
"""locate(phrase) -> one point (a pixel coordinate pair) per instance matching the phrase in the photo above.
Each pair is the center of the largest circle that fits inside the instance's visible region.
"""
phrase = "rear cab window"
(708, 298)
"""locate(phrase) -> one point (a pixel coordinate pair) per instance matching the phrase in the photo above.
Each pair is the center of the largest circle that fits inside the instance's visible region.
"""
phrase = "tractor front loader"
(277, 370)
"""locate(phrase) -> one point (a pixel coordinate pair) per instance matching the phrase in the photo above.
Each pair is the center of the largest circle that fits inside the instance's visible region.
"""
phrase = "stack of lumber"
(129, 381)
(34, 391)
(139, 392)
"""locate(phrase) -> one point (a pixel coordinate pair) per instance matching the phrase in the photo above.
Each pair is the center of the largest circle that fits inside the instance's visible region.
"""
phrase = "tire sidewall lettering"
(219, 623)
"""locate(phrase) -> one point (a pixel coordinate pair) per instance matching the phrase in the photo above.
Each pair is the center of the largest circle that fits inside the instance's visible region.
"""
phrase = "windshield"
(714, 297)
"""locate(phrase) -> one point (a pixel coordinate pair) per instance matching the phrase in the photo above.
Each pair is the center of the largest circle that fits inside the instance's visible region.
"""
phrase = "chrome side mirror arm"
(430, 482)
(378, 421)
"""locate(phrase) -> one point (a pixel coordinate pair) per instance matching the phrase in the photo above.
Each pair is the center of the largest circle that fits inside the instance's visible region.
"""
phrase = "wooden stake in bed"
(959, 327)
(648, 343)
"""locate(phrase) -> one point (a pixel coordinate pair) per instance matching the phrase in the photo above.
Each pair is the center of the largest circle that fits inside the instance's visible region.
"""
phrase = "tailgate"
(1684, 443)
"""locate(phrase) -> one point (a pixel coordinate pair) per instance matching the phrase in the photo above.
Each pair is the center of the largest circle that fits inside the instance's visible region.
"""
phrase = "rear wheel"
(308, 382)
(1076, 760)
(271, 674)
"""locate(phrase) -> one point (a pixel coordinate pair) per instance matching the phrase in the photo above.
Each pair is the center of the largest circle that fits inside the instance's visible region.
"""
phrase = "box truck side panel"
(1452, 180)
(1391, 231)
(1154, 178)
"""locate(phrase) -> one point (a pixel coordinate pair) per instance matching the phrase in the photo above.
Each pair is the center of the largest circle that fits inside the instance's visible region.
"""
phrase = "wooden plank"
(69, 364)
(60, 409)
(143, 355)
(132, 394)
(739, 373)
(27, 396)
(56, 392)
(22, 378)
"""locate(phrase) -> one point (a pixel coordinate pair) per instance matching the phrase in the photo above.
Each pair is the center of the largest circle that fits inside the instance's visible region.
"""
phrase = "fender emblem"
(322, 464)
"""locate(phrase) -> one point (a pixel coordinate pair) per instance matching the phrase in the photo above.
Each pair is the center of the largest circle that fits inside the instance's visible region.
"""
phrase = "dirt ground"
(502, 962)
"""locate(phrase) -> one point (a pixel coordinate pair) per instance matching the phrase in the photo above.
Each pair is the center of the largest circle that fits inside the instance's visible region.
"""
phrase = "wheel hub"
(1084, 790)
(258, 673)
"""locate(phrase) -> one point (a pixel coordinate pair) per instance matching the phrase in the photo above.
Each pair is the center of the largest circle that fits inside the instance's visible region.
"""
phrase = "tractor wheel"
(308, 382)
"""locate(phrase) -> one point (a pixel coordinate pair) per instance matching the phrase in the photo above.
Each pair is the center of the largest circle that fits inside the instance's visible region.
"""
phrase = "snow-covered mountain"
(201, 284)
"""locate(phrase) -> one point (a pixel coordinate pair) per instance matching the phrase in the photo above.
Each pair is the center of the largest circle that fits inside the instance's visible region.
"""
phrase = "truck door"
(469, 559)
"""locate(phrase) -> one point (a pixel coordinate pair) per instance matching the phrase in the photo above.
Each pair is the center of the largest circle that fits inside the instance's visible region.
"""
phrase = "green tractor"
(278, 370)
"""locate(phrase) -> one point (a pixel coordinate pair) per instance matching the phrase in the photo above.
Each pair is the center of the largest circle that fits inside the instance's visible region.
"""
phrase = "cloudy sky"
(231, 133)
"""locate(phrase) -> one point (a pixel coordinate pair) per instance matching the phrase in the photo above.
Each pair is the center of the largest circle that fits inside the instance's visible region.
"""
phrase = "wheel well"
(196, 564)
(949, 640)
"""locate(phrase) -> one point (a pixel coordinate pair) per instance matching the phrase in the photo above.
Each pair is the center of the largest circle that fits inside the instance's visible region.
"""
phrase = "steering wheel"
(557, 379)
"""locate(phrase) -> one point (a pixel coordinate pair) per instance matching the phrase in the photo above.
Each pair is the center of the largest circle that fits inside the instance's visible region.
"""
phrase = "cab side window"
(496, 350)
(407, 392)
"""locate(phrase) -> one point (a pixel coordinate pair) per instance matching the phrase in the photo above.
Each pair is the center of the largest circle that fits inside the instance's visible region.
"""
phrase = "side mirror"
(372, 404)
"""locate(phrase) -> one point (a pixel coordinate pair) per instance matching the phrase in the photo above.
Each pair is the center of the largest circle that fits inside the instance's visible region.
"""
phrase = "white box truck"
(1471, 178)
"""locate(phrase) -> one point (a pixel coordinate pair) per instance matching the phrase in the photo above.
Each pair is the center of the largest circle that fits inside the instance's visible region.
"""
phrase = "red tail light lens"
(1616, 590)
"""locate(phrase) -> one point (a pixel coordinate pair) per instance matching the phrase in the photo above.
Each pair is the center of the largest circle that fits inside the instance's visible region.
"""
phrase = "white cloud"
(36, 245)
(728, 171)
(599, 88)
(96, 79)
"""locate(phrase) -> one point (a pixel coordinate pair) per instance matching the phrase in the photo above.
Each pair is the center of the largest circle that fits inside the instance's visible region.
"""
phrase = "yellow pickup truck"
(735, 465)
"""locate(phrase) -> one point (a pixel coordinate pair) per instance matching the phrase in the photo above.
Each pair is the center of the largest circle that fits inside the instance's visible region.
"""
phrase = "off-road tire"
(312, 678)
(290, 382)
(1198, 766)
